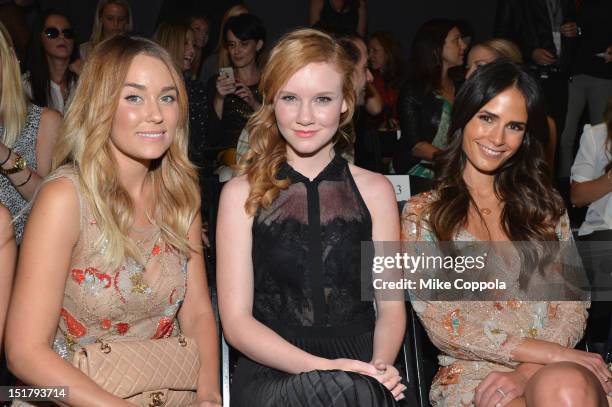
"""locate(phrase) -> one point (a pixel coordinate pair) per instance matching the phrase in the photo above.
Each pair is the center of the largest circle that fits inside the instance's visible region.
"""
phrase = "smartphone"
(227, 72)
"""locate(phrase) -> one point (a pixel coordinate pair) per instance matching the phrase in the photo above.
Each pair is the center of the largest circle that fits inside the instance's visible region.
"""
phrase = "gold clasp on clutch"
(104, 347)
(182, 341)
(156, 399)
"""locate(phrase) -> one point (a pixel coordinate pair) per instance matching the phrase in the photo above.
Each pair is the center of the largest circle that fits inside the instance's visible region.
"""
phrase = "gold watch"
(19, 165)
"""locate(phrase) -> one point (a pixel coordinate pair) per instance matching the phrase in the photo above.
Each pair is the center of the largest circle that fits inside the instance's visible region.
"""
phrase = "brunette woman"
(493, 186)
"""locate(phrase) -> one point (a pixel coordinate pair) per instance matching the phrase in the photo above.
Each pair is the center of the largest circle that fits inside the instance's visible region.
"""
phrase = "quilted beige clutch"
(148, 373)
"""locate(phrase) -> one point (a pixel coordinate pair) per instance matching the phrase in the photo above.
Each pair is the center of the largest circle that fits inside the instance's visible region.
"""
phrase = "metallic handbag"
(147, 373)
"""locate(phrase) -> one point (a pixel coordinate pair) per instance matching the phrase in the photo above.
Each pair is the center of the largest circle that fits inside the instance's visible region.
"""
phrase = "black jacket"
(419, 115)
(595, 20)
(527, 23)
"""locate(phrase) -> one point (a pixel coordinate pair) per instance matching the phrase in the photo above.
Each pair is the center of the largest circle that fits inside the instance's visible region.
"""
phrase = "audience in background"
(591, 81)
(546, 32)
(368, 102)
(179, 40)
(201, 31)
(13, 16)
(27, 136)
(592, 178)
(220, 58)
(488, 51)
(405, 121)
(237, 94)
(425, 101)
(51, 76)
(112, 17)
(345, 17)
(387, 67)
(386, 63)
(591, 184)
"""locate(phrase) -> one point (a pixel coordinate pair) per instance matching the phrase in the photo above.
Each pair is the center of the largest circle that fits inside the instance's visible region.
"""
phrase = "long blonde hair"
(85, 143)
(223, 55)
(171, 36)
(503, 48)
(96, 32)
(268, 147)
(13, 103)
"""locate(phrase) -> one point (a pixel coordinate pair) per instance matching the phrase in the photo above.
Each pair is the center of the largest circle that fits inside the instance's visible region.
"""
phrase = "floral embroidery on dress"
(75, 328)
(105, 323)
(449, 374)
(122, 328)
(480, 336)
(164, 328)
(453, 323)
(494, 333)
(92, 277)
(125, 303)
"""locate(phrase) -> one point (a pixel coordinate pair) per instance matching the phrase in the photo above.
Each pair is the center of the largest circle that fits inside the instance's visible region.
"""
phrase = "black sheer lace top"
(306, 256)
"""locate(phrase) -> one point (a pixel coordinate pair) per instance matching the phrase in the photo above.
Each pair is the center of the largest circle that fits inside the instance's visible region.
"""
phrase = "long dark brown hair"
(532, 207)
(393, 70)
(425, 63)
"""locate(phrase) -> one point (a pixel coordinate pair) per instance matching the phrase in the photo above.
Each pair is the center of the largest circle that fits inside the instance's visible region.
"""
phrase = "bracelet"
(26, 181)
(19, 165)
(7, 158)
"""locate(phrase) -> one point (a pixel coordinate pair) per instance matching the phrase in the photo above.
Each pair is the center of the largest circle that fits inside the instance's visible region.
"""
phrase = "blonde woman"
(200, 25)
(112, 17)
(179, 40)
(490, 50)
(112, 250)
(288, 243)
(27, 136)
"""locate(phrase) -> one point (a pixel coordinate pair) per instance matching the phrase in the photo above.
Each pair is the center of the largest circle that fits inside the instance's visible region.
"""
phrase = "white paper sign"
(401, 184)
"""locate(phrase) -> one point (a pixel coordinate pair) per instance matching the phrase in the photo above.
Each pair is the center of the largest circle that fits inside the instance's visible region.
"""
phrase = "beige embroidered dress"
(478, 337)
(127, 303)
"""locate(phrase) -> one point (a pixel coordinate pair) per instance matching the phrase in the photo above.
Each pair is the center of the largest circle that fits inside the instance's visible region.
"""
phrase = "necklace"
(485, 211)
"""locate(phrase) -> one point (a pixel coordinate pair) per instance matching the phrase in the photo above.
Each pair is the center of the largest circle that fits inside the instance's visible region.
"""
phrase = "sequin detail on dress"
(477, 337)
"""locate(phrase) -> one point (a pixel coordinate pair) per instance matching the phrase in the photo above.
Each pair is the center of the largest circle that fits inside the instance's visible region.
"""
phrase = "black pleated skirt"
(255, 385)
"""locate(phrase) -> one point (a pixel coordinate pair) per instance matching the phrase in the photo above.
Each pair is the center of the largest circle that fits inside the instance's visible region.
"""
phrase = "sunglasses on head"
(53, 32)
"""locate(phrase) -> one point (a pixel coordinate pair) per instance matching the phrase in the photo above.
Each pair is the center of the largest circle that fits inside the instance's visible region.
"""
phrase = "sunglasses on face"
(53, 32)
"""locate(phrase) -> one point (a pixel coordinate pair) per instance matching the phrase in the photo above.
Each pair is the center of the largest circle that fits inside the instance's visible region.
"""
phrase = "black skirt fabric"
(254, 385)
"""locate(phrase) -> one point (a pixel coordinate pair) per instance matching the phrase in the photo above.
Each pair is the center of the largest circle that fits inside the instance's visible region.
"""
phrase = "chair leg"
(225, 372)
(608, 351)
(419, 357)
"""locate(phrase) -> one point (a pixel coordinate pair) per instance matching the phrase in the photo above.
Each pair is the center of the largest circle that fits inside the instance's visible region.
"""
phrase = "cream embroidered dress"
(127, 303)
(478, 337)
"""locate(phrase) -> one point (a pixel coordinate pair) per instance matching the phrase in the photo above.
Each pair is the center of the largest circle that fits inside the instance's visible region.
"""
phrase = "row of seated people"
(112, 250)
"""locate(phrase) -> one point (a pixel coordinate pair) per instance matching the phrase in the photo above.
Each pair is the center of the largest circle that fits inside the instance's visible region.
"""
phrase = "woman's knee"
(564, 384)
